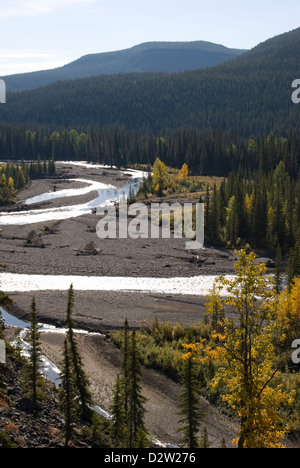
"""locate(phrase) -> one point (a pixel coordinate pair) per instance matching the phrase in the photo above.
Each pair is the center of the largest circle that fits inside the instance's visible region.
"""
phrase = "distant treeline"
(210, 153)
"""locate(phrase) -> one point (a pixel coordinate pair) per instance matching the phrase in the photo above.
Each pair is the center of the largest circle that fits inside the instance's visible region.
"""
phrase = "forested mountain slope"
(251, 94)
(166, 57)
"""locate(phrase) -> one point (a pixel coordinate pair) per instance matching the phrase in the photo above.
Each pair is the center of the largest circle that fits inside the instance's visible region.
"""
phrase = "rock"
(268, 262)
(28, 405)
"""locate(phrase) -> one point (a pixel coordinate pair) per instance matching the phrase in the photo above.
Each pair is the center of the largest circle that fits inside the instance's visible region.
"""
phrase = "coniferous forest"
(251, 94)
(209, 153)
(258, 202)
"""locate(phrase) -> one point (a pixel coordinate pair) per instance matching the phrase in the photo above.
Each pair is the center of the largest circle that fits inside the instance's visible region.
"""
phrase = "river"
(198, 285)
(106, 194)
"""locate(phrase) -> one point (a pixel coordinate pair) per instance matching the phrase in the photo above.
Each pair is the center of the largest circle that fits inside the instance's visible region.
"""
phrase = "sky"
(44, 34)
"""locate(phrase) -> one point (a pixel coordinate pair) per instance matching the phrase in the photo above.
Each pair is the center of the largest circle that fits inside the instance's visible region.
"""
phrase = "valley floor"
(64, 253)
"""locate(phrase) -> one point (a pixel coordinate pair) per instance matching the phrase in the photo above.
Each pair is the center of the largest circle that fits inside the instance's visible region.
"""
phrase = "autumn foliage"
(250, 367)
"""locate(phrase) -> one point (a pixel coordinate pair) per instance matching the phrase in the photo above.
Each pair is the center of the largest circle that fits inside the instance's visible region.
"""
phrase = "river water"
(198, 285)
(49, 369)
(106, 194)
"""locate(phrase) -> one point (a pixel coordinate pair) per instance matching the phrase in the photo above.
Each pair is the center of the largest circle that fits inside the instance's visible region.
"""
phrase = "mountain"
(166, 57)
(251, 94)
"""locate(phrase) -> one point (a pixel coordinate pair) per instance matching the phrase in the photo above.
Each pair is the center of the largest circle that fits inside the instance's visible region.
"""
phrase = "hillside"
(251, 94)
(166, 57)
(25, 424)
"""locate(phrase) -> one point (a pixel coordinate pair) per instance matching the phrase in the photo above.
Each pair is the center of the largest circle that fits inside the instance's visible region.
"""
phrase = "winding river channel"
(106, 194)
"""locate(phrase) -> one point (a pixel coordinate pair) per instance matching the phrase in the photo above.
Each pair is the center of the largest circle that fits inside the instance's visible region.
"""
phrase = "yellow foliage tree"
(11, 183)
(215, 307)
(246, 356)
(288, 317)
(159, 175)
(249, 203)
(183, 173)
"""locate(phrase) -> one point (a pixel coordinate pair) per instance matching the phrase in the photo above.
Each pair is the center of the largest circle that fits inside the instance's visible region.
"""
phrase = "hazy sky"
(42, 34)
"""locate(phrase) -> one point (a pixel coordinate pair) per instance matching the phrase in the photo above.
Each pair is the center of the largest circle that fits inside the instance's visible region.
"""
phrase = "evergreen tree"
(125, 365)
(207, 215)
(68, 395)
(39, 166)
(232, 221)
(5, 301)
(294, 264)
(97, 430)
(136, 401)
(118, 414)
(223, 443)
(51, 169)
(82, 382)
(189, 405)
(278, 270)
(34, 379)
(260, 213)
(204, 442)
(216, 216)
(141, 439)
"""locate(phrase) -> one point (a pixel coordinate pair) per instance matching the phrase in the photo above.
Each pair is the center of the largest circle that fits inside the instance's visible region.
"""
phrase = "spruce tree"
(278, 270)
(136, 401)
(82, 381)
(207, 215)
(33, 375)
(5, 301)
(68, 396)
(97, 430)
(189, 406)
(232, 221)
(223, 443)
(204, 442)
(118, 414)
(293, 264)
(215, 217)
(125, 365)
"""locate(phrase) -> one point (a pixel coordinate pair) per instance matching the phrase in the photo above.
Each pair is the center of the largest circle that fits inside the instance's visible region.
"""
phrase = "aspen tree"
(248, 363)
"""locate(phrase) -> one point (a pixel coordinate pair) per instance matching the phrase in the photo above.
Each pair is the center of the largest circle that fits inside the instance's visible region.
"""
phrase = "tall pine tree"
(82, 381)
(136, 400)
(68, 394)
(33, 375)
(118, 413)
(189, 406)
